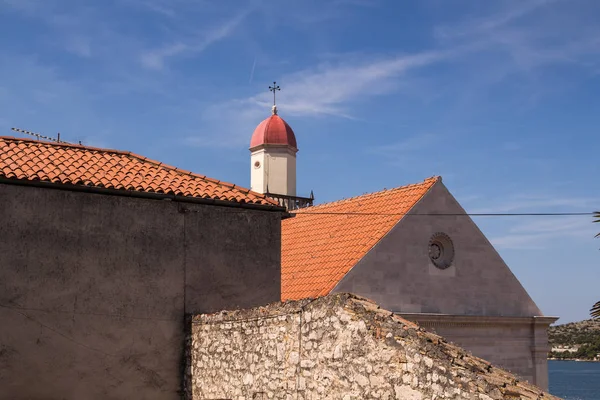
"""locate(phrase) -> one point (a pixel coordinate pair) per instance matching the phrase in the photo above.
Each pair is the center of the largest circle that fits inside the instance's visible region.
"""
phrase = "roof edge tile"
(307, 210)
(138, 157)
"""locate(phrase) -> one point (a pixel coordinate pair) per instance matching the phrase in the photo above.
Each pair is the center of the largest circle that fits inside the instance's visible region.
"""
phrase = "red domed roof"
(273, 130)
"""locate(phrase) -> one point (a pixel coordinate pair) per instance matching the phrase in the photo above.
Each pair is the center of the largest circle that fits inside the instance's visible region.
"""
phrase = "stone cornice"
(545, 320)
(474, 320)
(281, 148)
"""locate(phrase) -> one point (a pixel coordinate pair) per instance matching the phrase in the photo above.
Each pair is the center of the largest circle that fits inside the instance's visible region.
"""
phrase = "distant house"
(412, 249)
(104, 253)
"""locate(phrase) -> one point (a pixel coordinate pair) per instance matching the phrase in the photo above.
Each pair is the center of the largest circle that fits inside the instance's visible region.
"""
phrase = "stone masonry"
(335, 347)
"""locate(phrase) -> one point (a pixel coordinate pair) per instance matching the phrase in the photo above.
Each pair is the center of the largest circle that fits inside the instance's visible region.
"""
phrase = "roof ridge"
(61, 144)
(307, 210)
(141, 158)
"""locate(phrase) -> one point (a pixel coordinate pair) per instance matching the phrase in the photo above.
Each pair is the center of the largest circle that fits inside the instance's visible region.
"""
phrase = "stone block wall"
(336, 347)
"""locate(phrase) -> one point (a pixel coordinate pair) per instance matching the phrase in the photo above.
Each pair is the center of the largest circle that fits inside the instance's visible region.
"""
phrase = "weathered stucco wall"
(94, 288)
(336, 347)
(399, 275)
(517, 344)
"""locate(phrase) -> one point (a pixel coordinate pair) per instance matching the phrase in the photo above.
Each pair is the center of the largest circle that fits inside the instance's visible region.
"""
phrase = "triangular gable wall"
(399, 275)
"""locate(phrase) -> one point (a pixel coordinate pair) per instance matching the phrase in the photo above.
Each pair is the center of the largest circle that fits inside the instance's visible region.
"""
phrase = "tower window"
(257, 164)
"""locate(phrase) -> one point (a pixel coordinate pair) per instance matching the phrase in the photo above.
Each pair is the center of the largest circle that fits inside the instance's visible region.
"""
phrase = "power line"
(408, 213)
(547, 214)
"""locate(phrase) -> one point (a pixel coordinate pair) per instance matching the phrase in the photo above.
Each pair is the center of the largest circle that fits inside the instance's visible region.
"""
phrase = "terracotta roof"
(273, 130)
(32, 160)
(322, 243)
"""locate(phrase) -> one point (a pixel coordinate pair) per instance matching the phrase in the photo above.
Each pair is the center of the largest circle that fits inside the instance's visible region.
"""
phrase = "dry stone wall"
(336, 347)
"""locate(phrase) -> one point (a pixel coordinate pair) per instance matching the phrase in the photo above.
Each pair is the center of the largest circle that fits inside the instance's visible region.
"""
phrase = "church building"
(412, 250)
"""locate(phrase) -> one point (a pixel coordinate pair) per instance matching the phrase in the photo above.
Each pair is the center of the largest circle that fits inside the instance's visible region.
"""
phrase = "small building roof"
(69, 164)
(322, 243)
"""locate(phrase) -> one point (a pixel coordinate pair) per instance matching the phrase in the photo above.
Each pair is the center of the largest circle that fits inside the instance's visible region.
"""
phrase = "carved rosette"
(441, 250)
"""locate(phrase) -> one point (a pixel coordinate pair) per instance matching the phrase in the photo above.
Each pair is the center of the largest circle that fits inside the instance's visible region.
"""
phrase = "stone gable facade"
(335, 347)
(415, 251)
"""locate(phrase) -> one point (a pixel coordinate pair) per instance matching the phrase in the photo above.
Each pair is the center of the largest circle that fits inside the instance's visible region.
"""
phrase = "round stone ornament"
(441, 250)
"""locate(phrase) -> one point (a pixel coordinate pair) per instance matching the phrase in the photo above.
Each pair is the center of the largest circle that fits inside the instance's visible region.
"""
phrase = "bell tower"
(273, 151)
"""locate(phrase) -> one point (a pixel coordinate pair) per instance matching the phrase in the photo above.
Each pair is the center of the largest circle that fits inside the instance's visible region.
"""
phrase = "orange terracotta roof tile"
(33, 160)
(322, 243)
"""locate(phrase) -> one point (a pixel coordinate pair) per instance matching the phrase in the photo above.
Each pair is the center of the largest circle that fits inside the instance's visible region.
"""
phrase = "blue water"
(574, 380)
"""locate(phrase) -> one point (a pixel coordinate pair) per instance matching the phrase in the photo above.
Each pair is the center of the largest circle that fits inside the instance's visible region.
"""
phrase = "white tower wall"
(273, 168)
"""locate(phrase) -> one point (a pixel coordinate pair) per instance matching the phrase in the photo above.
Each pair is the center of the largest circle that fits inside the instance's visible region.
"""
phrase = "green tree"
(595, 311)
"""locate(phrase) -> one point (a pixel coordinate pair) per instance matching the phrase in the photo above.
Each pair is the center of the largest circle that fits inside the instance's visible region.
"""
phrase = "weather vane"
(273, 89)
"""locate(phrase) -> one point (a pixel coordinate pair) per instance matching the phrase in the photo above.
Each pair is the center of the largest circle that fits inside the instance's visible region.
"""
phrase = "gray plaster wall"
(484, 341)
(519, 345)
(398, 274)
(94, 288)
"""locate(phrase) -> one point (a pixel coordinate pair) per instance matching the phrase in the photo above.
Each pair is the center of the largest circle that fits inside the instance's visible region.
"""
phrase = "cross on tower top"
(273, 89)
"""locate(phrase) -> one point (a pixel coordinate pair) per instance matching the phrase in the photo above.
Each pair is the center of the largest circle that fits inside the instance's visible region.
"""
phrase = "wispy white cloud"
(411, 154)
(317, 89)
(553, 225)
(534, 33)
(411, 144)
(329, 88)
(50, 104)
(335, 87)
(528, 53)
(164, 8)
(326, 90)
(523, 41)
(511, 146)
(539, 203)
(357, 3)
(540, 233)
(537, 232)
(489, 24)
(21, 5)
(156, 58)
(79, 45)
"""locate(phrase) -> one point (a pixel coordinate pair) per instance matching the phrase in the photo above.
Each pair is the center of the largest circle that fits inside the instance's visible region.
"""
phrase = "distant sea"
(574, 380)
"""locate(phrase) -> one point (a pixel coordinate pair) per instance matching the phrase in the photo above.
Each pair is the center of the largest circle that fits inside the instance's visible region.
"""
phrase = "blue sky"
(501, 98)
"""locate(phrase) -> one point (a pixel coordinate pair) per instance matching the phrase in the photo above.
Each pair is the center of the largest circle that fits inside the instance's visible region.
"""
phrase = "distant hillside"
(576, 340)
